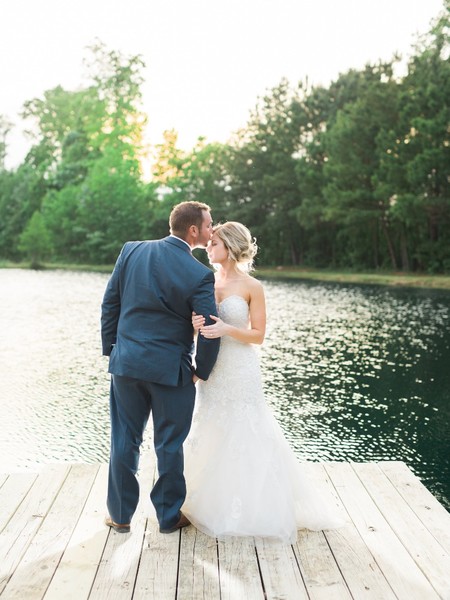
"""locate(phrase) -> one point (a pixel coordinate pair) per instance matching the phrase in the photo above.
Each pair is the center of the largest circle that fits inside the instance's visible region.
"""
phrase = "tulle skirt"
(243, 479)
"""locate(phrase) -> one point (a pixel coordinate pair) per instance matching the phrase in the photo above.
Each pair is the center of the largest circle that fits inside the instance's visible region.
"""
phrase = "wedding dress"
(242, 476)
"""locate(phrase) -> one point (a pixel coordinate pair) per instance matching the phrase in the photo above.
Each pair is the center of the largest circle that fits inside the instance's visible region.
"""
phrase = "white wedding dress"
(242, 476)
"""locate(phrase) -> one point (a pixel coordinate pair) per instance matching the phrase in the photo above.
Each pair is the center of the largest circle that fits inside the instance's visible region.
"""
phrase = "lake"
(352, 373)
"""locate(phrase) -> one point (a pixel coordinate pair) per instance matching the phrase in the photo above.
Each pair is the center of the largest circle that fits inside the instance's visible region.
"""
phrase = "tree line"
(350, 175)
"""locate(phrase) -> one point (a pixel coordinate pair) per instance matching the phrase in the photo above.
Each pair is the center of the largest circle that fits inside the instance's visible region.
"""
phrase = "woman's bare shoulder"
(246, 286)
(254, 283)
(254, 287)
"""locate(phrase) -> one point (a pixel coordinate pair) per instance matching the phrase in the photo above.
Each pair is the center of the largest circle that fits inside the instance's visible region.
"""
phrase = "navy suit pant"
(131, 403)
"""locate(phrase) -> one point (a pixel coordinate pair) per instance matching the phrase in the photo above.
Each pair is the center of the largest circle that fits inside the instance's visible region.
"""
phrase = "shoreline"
(389, 279)
(385, 278)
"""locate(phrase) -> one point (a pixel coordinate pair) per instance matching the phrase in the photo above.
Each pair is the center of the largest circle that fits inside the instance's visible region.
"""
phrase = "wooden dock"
(54, 546)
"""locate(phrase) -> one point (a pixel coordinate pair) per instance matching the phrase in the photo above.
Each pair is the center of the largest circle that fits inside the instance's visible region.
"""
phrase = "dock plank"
(38, 564)
(238, 570)
(13, 490)
(118, 568)
(199, 567)
(359, 568)
(24, 525)
(280, 573)
(85, 548)
(393, 544)
(158, 568)
(320, 572)
(423, 548)
(404, 576)
(429, 510)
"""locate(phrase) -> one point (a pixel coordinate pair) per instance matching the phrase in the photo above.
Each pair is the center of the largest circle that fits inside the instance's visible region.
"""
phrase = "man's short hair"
(184, 215)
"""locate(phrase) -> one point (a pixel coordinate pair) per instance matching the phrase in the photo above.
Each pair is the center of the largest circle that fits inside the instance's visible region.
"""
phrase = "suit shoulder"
(204, 270)
(128, 247)
(132, 244)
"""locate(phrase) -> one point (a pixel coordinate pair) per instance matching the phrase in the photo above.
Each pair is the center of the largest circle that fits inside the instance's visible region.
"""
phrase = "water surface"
(353, 373)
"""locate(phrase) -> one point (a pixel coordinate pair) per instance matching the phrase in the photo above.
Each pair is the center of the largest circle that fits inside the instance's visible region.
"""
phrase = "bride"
(242, 476)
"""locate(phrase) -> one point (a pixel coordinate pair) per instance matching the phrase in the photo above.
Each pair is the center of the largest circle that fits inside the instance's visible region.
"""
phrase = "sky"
(207, 61)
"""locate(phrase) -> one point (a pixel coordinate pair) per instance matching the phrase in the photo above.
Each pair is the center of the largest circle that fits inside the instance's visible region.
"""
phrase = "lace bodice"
(234, 311)
(235, 382)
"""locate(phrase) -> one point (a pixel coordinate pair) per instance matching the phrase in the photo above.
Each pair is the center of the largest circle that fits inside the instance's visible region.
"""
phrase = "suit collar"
(176, 241)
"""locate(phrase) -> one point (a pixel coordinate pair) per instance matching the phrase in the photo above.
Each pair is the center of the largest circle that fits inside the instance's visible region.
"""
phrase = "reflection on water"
(352, 372)
(362, 374)
(54, 385)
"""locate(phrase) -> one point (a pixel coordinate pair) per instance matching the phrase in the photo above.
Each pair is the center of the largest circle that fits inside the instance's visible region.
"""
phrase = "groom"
(147, 331)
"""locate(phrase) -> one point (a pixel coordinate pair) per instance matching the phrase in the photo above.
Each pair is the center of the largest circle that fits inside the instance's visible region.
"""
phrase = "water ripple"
(361, 373)
(351, 372)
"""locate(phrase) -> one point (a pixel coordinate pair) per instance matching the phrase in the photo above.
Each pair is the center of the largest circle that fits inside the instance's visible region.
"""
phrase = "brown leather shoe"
(119, 527)
(183, 521)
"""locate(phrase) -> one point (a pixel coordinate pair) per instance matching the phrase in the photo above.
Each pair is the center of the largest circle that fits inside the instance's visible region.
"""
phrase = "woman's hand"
(218, 329)
(197, 321)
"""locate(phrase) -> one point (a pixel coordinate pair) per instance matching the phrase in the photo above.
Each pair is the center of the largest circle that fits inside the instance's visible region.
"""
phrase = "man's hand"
(197, 321)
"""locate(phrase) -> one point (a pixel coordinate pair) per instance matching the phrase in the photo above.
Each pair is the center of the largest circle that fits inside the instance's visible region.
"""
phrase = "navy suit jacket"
(146, 322)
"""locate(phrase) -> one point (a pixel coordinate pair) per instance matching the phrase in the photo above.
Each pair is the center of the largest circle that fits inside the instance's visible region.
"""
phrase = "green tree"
(35, 241)
(21, 193)
(196, 175)
(318, 109)
(112, 210)
(263, 185)
(5, 128)
(417, 157)
(351, 143)
(87, 152)
(352, 175)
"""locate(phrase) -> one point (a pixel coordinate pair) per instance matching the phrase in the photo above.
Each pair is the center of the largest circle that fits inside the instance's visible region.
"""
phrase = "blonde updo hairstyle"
(238, 241)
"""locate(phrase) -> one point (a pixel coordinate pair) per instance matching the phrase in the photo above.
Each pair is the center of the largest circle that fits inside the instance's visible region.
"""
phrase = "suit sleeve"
(111, 309)
(204, 303)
